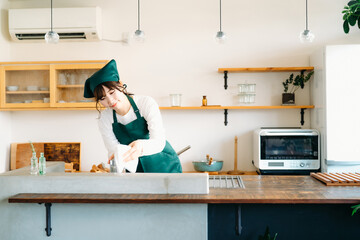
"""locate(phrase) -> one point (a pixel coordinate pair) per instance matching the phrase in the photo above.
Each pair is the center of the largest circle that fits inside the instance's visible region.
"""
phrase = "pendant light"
(51, 36)
(306, 36)
(139, 35)
(220, 35)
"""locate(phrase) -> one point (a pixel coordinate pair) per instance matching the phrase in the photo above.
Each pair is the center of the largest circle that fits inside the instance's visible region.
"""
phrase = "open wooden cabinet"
(46, 85)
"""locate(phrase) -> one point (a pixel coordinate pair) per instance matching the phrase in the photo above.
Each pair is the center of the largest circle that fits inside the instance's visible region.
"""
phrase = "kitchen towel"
(131, 166)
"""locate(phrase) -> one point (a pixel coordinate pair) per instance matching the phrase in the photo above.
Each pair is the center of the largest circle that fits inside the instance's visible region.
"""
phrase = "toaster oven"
(286, 151)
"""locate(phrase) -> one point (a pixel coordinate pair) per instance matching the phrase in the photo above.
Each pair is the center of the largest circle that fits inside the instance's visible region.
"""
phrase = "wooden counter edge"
(160, 198)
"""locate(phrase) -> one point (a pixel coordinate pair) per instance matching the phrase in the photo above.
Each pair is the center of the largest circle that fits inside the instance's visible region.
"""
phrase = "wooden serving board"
(68, 152)
(338, 179)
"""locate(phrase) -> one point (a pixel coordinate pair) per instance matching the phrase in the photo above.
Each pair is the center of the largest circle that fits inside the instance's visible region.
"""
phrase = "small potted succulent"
(351, 15)
(292, 84)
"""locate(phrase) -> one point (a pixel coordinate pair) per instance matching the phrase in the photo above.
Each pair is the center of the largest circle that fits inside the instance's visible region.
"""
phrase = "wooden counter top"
(258, 189)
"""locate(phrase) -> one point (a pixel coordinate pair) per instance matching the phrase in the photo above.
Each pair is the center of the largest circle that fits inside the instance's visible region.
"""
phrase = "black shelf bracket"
(48, 219)
(225, 116)
(302, 116)
(225, 80)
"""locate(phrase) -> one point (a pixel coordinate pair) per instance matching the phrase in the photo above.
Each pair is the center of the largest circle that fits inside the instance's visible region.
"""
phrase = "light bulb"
(220, 37)
(51, 37)
(306, 36)
(139, 36)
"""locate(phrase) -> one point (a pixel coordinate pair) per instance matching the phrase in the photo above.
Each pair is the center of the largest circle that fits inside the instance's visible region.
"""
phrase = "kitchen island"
(101, 221)
(296, 207)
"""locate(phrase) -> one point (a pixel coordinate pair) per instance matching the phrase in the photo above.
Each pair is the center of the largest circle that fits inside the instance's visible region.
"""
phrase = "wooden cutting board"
(338, 179)
(68, 152)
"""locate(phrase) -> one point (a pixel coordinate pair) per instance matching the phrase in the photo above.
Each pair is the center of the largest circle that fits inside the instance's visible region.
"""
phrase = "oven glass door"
(289, 147)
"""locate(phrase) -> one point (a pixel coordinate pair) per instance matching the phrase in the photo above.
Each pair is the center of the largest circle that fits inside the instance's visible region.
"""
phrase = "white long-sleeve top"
(148, 109)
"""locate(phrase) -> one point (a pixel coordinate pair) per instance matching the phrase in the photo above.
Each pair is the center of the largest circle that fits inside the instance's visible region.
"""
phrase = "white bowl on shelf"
(32, 88)
(12, 88)
(44, 89)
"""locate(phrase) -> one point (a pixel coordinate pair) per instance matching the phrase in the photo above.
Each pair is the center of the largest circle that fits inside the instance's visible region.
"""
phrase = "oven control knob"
(302, 164)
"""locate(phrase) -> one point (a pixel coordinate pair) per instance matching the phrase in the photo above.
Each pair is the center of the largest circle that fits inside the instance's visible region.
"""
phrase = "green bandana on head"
(107, 74)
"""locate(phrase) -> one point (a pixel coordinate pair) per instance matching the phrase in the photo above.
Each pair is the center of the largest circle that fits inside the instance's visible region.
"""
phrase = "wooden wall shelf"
(226, 108)
(266, 69)
(27, 92)
(238, 107)
(70, 86)
(263, 69)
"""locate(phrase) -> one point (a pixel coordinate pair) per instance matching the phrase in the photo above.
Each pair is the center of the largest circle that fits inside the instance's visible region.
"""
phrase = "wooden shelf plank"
(172, 108)
(27, 92)
(70, 86)
(238, 107)
(54, 62)
(266, 69)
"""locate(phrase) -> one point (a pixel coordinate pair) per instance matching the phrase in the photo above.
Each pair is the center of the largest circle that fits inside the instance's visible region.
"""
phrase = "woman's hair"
(99, 91)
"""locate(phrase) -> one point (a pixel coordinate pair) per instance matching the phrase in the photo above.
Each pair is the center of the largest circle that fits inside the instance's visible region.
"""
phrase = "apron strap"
(136, 110)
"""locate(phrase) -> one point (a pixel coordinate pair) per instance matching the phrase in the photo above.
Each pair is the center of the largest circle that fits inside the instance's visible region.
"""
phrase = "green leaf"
(346, 26)
(32, 147)
(356, 208)
(352, 20)
(275, 236)
(351, 3)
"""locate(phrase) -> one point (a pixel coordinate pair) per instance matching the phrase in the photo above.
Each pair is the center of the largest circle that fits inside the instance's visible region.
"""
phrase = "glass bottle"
(42, 164)
(113, 168)
(34, 167)
(204, 101)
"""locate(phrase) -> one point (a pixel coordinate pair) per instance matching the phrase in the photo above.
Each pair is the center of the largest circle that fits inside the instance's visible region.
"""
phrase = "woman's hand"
(111, 158)
(135, 151)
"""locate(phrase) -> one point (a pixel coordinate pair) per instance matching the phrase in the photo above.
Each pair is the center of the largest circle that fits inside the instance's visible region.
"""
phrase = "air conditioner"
(72, 24)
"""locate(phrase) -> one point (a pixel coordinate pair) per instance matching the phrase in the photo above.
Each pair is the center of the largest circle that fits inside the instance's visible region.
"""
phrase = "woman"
(131, 120)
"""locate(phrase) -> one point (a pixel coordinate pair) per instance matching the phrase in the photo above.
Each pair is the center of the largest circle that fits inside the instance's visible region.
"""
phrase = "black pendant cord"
(138, 14)
(51, 4)
(220, 16)
(306, 13)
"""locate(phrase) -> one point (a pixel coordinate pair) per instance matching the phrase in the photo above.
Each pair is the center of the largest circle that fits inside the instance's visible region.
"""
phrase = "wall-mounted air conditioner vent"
(72, 24)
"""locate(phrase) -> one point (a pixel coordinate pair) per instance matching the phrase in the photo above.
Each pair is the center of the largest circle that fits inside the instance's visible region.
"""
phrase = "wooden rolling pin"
(235, 171)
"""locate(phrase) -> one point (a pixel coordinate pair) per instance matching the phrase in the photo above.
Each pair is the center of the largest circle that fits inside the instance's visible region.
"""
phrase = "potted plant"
(351, 15)
(355, 209)
(291, 85)
(267, 235)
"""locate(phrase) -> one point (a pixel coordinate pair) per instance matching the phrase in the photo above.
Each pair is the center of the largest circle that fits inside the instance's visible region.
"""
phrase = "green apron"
(166, 161)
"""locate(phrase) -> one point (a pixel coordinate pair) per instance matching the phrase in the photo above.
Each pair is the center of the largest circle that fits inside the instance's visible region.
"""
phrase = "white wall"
(181, 56)
(5, 140)
(5, 117)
